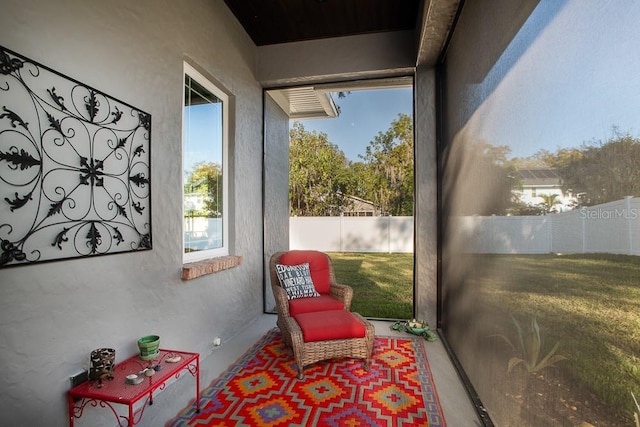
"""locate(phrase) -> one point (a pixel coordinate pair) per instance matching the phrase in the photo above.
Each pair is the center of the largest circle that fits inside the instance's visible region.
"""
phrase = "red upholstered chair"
(333, 296)
(319, 327)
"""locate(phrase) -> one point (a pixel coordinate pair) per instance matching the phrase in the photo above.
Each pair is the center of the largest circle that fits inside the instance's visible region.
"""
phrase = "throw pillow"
(296, 280)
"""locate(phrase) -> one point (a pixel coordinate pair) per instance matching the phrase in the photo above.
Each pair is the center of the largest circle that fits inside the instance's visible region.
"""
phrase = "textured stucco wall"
(336, 59)
(276, 189)
(52, 315)
(426, 193)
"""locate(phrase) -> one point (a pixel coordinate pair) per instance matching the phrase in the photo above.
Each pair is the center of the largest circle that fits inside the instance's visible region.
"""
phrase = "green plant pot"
(149, 347)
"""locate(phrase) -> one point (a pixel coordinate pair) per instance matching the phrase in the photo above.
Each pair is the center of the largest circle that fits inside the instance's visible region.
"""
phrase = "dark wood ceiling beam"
(282, 21)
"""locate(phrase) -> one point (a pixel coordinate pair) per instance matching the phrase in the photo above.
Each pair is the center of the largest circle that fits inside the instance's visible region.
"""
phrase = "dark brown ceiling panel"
(283, 21)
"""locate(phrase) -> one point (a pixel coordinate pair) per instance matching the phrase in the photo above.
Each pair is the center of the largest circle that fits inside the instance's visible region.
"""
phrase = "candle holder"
(102, 365)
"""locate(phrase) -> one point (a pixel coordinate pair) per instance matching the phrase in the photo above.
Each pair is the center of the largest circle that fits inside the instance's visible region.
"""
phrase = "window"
(205, 172)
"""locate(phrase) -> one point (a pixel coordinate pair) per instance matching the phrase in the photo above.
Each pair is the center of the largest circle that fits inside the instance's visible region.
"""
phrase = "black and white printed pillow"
(296, 280)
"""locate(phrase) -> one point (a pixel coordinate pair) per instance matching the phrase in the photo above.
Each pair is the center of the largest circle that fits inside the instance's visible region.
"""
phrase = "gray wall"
(426, 189)
(336, 59)
(52, 315)
(276, 189)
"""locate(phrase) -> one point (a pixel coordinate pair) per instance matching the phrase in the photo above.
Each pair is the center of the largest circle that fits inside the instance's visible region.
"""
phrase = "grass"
(589, 303)
(382, 283)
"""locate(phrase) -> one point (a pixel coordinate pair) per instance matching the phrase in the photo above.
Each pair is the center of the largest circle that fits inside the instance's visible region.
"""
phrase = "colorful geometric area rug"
(262, 389)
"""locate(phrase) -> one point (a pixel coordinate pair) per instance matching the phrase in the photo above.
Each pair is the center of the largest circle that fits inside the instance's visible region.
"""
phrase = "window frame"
(205, 82)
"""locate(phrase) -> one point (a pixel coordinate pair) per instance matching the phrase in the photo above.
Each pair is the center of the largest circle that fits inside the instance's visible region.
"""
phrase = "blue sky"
(570, 75)
(364, 113)
(203, 141)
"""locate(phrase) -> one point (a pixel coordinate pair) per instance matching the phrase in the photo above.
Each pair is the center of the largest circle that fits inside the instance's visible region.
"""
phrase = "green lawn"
(590, 304)
(382, 283)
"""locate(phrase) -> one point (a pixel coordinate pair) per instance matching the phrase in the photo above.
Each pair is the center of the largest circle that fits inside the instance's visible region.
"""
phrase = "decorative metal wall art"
(74, 168)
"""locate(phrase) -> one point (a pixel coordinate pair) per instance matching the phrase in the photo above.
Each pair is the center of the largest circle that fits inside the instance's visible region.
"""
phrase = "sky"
(363, 114)
(203, 141)
(569, 76)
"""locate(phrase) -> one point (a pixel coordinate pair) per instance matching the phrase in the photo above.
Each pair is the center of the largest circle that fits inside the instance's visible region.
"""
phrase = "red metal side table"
(117, 390)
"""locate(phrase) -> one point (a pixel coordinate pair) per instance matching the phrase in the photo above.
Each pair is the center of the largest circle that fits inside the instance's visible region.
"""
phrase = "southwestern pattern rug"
(262, 389)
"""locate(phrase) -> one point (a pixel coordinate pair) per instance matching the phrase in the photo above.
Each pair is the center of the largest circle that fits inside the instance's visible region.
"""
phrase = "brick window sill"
(196, 269)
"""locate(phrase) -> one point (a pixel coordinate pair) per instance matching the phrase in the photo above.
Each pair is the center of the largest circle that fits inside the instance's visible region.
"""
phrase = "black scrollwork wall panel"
(74, 168)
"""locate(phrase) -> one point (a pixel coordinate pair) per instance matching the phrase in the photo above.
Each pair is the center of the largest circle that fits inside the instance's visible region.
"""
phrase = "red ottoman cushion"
(330, 325)
(311, 304)
(318, 266)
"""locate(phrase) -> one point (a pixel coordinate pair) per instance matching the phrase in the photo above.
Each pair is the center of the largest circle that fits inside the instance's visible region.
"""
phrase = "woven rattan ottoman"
(329, 335)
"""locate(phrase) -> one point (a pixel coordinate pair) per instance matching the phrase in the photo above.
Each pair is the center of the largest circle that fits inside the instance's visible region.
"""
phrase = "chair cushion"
(330, 325)
(309, 305)
(318, 265)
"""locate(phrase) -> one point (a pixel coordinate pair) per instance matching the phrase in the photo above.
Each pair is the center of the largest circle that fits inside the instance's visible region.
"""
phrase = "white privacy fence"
(352, 234)
(608, 228)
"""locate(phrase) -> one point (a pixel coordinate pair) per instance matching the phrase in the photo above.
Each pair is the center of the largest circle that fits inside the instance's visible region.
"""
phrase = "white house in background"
(537, 182)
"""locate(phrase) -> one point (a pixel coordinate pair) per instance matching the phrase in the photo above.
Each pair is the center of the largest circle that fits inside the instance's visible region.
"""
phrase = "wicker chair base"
(307, 353)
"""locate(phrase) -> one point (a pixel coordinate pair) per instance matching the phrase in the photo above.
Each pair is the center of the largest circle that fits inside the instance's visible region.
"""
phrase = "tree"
(549, 201)
(602, 171)
(533, 162)
(560, 159)
(520, 208)
(389, 160)
(206, 180)
(318, 174)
